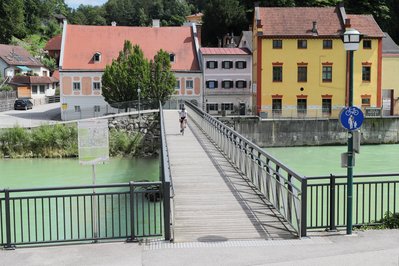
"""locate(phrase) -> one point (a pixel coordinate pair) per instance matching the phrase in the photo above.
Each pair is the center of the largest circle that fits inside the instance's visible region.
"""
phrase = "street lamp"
(138, 93)
(351, 39)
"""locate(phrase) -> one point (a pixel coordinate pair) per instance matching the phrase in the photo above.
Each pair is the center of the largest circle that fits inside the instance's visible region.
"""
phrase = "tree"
(125, 75)
(162, 79)
(11, 20)
(222, 17)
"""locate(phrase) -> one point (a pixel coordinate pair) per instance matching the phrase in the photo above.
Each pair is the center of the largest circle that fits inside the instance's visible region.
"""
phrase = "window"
(366, 73)
(227, 106)
(277, 107)
(327, 74)
(96, 86)
(227, 84)
(97, 57)
(34, 89)
(211, 84)
(96, 108)
(172, 57)
(366, 101)
(326, 107)
(76, 86)
(45, 73)
(241, 64)
(227, 64)
(211, 64)
(77, 108)
(189, 84)
(42, 89)
(177, 86)
(301, 106)
(277, 73)
(277, 44)
(302, 73)
(327, 44)
(240, 84)
(366, 44)
(211, 107)
(302, 44)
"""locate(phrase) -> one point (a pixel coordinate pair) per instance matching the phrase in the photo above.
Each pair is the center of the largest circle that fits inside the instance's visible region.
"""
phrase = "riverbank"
(312, 132)
(129, 136)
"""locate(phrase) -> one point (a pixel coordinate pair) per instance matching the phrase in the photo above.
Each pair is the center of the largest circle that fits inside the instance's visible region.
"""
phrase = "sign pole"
(350, 154)
(95, 215)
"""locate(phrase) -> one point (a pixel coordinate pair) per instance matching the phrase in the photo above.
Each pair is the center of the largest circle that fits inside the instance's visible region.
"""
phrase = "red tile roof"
(82, 42)
(17, 56)
(56, 74)
(33, 80)
(225, 51)
(366, 25)
(298, 21)
(54, 44)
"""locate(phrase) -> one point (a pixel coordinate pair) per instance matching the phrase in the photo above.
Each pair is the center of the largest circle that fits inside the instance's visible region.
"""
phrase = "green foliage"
(6, 87)
(49, 63)
(162, 81)
(11, 20)
(125, 75)
(15, 142)
(88, 15)
(390, 220)
(60, 141)
(123, 144)
(222, 17)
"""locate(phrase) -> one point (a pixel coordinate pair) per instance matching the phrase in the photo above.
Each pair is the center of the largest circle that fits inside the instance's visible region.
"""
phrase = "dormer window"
(97, 57)
(172, 57)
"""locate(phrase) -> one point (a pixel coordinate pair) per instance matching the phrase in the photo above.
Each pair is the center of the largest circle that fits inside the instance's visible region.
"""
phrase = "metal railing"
(78, 213)
(373, 196)
(166, 177)
(282, 187)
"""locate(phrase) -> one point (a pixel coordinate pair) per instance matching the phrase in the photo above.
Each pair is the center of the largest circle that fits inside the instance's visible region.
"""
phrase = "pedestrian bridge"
(220, 190)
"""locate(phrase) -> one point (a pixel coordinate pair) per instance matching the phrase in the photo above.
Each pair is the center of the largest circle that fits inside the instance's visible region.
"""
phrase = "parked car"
(23, 104)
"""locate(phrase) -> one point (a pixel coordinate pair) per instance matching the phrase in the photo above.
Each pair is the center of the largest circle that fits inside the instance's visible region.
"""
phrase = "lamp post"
(351, 39)
(138, 93)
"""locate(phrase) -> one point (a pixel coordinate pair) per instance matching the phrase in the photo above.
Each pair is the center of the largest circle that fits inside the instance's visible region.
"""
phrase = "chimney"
(314, 28)
(155, 23)
(199, 33)
(347, 23)
(113, 23)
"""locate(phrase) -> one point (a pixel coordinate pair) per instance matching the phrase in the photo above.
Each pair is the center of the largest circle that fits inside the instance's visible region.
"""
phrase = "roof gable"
(16, 55)
(82, 42)
(298, 21)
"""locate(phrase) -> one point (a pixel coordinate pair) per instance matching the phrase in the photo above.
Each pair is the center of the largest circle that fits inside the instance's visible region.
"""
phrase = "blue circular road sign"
(351, 118)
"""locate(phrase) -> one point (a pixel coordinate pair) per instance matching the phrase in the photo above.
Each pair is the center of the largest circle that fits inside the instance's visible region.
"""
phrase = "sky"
(76, 3)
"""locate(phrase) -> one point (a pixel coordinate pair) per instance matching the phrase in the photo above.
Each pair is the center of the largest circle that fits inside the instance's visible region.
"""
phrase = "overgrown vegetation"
(59, 141)
(390, 221)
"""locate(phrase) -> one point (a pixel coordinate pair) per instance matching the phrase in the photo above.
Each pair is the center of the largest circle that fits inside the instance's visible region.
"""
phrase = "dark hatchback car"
(23, 104)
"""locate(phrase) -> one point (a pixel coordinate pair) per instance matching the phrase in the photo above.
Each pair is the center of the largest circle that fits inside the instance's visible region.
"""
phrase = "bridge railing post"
(133, 237)
(8, 219)
(304, 202)
(167, 210)
(332, 203)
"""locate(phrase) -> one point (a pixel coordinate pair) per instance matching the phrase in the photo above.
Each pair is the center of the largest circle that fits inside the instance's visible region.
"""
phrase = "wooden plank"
(212, 200)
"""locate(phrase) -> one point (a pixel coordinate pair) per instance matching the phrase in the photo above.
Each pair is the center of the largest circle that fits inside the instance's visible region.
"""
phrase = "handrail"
(167, 181)
(276, 181)
(355, 176)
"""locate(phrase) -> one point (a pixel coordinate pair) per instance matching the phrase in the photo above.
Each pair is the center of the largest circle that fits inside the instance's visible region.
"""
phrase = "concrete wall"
(275, 133)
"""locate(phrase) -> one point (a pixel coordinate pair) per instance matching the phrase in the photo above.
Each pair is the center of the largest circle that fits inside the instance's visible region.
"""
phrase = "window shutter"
(207, 84)
(231, 64)
(245, 84)
(207, 64)
(245, 65)
(216, 84)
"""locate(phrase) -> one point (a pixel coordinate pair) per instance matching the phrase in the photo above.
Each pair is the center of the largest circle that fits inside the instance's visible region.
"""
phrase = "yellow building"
(390, 77)
(300, 64)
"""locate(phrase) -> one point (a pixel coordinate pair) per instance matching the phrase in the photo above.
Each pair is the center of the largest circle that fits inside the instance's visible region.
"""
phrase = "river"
(323, 160)
(28, 173)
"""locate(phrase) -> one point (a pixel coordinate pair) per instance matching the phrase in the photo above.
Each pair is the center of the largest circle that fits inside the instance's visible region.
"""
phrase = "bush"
(15, 142)
(390, 220)
(122, 143)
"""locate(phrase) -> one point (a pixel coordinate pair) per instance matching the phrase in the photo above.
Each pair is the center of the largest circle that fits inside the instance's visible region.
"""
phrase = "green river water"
(28, 173)
(325, 160)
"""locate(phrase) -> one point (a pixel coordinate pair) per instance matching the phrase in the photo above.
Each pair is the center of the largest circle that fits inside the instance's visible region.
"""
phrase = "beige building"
(390, 76)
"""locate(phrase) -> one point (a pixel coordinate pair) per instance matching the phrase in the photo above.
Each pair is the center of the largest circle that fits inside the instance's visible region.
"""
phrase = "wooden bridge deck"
(213, 201)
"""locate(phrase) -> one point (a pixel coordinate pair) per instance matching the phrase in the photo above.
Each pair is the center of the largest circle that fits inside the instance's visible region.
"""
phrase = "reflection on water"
(323, 160)
(27, 173)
